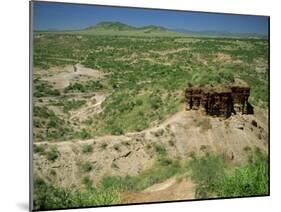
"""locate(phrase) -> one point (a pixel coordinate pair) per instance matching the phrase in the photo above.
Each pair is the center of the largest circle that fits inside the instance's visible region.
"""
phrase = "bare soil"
(70, 73)
(183, 134)
(175, 188)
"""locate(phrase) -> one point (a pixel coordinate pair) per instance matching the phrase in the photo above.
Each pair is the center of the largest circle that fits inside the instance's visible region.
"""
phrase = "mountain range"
(118, 28)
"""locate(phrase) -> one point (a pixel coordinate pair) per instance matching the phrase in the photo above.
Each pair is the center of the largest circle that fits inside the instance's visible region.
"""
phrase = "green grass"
(44, 89)
(162, 170)
(145, 85)
(84, 134)
(49, 126)
(48, 196)
(89, 86)
(207, 171)
(214, 178)
(70, 104)
(160, 149)
(248, 180)
(146, 81)
(39, 149)
(87, 182)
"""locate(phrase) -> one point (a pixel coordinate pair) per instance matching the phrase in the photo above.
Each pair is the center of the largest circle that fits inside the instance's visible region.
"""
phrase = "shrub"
(89, 86)
(139, 102)
(254, 123)
(159, 132)
(87, 182)
(84, 134)
(160, 149)
(53, 154)
(116, 147)
(87, 148)
(247, 149)
(214, 178)
(203, 147)
(248, 180)
(207, 171)
(47, 196)
(116, 131)
(44, 88)
(172, 142)
(155, 102)
(103, 146)
(87, 166)
(72, 105)
(39, 149)
(163, 161)
(126, 143)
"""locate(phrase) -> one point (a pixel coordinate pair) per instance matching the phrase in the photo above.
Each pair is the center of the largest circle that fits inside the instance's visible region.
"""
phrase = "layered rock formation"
(219, 100)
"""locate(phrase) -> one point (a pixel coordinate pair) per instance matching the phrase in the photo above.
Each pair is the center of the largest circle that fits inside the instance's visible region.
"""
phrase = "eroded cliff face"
(219, 100)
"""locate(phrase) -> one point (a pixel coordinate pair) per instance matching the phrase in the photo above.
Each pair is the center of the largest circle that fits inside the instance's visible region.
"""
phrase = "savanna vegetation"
(145, 76)
(213, 175)
(142, 84)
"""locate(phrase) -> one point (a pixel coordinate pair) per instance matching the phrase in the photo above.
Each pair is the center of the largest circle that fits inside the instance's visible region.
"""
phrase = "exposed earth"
(183, 134)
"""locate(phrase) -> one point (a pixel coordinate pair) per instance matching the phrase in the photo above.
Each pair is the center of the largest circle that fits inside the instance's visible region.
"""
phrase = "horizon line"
(139, 27)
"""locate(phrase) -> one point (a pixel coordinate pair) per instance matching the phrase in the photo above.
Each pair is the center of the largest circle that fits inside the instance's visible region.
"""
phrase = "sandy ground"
(175, 188)
(69, 73)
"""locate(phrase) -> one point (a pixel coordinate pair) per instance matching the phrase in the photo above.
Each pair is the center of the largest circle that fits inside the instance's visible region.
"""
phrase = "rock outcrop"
(219, 100)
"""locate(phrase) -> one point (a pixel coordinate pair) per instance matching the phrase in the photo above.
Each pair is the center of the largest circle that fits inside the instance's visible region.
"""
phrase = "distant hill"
(118, 28)
(106, 25)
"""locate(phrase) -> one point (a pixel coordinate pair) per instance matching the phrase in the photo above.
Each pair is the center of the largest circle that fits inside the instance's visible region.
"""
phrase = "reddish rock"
(219, 100)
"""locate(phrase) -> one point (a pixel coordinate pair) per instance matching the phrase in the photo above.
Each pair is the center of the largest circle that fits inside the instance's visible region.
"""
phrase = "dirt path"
(176, 188)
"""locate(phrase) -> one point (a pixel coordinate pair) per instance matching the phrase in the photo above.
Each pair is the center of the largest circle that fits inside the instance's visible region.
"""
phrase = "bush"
(103, 146)
(39, 149)
(116, 131)
(87, 148)
(47, 196)
(43, 89)
(87, 166)
(155, 102)
(172, 142)
(207, 171)
(87, 182)
(214, 178)
(163, 161)
(160, 149)
(53, 154)
(72, 104)
(89, 86)
(139, 102)
(84, 134)
(248, 180)
(116, 147)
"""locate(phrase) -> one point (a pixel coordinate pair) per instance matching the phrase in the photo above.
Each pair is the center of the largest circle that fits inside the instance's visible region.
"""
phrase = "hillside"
(109, 124)
(122, 29)
(184, 134)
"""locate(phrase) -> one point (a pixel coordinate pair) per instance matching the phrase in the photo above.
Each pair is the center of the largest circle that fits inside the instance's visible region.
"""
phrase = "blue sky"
(74, 16)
